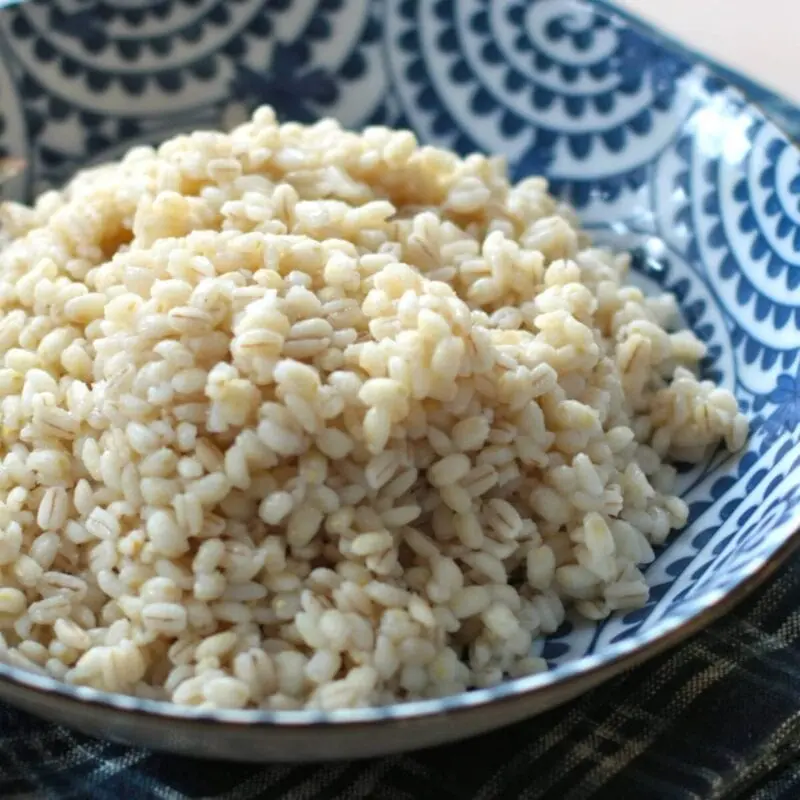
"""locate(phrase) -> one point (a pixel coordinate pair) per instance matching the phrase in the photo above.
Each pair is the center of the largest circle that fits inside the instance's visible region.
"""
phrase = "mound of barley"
(295, 417)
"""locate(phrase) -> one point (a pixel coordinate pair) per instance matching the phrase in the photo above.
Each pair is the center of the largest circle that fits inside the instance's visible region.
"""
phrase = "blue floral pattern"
(778, 413)
(656, 155)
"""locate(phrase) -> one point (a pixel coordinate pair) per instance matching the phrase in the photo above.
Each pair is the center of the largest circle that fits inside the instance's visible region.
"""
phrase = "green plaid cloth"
(717, 718)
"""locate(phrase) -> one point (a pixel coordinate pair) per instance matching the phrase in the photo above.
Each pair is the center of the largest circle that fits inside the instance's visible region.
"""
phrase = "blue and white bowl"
(655, 152)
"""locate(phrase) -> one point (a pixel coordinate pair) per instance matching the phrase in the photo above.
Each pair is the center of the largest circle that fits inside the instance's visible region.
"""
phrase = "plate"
(656, 152)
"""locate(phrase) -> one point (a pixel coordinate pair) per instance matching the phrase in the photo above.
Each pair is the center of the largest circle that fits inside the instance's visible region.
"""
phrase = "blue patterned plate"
(656, 153)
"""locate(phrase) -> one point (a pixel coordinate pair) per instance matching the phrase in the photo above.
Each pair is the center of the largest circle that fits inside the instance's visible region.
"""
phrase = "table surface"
(758, 39)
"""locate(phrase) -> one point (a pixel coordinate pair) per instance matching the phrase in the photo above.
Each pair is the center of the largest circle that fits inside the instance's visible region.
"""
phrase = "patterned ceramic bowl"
(655, 152)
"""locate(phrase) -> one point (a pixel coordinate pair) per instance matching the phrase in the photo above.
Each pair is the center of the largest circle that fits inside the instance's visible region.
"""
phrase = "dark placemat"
(717, 718)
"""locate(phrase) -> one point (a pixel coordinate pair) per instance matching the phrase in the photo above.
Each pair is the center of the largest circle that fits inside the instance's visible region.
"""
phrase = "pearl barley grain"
(294, 416)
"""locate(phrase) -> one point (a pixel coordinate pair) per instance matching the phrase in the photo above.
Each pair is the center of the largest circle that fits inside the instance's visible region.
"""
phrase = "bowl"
(656, 153)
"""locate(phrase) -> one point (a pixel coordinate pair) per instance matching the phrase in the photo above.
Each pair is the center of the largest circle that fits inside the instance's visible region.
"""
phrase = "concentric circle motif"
(138, 57)
(740, 179)
(553, 85)
(100, 76)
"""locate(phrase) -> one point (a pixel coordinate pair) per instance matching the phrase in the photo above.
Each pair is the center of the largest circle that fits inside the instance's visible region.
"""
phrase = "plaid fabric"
(717, 718)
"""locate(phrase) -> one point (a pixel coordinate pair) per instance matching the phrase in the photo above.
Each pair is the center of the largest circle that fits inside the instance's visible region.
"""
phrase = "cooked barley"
(296, 417)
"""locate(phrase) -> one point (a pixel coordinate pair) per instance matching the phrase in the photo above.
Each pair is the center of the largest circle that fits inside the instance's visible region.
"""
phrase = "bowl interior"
(655, 153)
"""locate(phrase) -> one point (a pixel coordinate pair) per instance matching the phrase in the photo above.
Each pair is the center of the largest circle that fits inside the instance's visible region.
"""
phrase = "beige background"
(758, 37)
